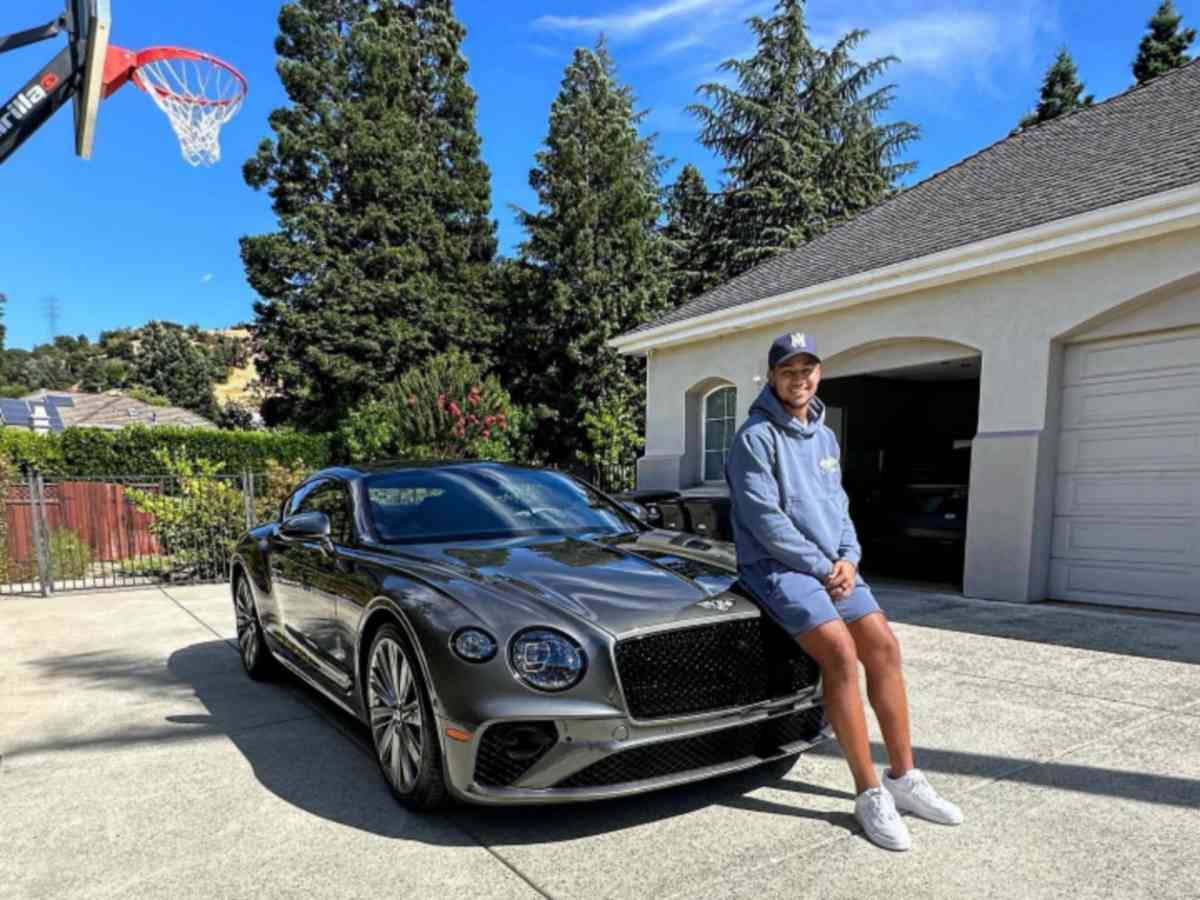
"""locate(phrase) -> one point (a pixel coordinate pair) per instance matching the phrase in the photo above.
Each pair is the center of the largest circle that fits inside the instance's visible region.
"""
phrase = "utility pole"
(52, 308)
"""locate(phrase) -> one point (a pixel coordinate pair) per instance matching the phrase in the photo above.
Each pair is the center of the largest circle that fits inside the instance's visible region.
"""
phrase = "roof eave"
(1121, 223)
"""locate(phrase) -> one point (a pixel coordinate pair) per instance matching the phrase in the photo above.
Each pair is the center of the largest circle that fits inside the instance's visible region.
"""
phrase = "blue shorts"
(799, 602)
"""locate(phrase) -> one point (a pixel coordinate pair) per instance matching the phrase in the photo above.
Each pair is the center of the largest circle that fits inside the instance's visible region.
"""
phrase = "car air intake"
(706, 668)
(509, 749)
(763, 738)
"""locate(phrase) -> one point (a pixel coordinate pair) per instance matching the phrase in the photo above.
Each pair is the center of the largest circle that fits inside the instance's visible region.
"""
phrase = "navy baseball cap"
(788, 345)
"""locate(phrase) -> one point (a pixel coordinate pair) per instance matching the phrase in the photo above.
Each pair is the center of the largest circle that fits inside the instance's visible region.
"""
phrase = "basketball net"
(198, 93)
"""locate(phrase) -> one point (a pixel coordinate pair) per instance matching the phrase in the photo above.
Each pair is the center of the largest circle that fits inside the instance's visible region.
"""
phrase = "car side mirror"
(306, 526)
(638, 511)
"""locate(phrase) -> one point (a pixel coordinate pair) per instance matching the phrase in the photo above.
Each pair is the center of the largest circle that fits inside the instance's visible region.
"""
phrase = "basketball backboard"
(92, 21)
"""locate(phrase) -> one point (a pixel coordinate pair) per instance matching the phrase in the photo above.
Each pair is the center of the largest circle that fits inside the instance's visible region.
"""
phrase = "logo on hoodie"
(829, 463)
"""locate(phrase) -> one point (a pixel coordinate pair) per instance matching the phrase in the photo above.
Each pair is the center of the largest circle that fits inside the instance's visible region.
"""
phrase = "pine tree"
(384, 244)
(800, 140)
(688, 231)
(592, 264)
(1062, 91)
(170, 363)
(1165, 47)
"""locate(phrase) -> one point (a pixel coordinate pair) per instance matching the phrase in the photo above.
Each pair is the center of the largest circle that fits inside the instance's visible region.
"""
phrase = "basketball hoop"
(198, 93)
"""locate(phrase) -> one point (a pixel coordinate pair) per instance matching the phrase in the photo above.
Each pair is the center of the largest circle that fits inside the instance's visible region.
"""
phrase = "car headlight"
(547, 660)
(473, 645)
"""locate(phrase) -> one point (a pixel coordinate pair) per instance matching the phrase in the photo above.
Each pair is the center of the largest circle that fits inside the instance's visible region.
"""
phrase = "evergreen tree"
(592, 265)
(800, 140)
(688, 231)
(384, 243)
(1165, 47)
(1062, 91)
(169, 363)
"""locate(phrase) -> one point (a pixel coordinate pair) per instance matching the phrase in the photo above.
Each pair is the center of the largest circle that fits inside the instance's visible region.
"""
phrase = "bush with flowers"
(444, 409)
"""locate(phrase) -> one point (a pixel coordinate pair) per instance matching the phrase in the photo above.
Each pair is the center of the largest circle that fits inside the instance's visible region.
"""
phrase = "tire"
(403, 729)
(252, 645)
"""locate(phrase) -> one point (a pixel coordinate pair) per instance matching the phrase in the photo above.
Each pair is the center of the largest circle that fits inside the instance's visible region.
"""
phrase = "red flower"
(454, 410)
(472, 419)
(487, 432)
(488, 420)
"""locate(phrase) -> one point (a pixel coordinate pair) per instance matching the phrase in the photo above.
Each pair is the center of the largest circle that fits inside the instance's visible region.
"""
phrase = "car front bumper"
(637, 757)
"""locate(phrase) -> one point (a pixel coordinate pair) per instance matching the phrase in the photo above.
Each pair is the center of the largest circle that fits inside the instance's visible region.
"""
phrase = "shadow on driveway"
(1128, 635)
(312, 755)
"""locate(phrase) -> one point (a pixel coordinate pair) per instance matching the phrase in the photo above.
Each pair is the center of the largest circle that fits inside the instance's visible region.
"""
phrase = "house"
(1024, 324)
(52, 411)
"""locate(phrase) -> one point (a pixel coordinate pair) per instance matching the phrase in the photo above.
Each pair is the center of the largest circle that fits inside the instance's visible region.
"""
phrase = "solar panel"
(56, 422)
(60, 401)
(15, 412)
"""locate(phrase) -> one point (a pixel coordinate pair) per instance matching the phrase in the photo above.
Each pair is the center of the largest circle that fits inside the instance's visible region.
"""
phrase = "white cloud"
(934, 42)
(206, 278)
(634, 21)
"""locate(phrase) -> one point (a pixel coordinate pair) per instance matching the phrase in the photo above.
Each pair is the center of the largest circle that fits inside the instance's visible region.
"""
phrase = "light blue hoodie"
(785, 488)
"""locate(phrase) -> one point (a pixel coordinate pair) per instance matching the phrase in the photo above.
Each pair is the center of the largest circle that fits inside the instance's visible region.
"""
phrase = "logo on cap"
(799, 340)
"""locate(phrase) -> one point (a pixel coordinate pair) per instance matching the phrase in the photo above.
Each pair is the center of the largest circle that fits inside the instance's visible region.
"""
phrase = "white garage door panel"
(1129, 496)
(1160, 400)
(1166, 589)
(1166, 541)
(1120, 450)
(1134, 356)
(1127, 503)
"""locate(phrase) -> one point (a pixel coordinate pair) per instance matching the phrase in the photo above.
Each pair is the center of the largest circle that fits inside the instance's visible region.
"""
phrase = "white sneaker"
(913, 793)
(876, 813)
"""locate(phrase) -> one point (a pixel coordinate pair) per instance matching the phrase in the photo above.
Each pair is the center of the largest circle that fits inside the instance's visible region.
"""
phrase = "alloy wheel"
(397, 723)
(247, 624)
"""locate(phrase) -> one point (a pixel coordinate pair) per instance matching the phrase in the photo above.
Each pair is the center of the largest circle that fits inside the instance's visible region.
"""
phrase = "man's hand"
(841, 581)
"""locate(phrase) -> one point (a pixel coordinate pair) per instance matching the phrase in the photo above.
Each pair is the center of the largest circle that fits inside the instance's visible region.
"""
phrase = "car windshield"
(486, 501)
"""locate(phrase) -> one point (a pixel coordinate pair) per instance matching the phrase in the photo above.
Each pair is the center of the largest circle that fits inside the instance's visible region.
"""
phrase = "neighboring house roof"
(110, 410)
(1138, 143)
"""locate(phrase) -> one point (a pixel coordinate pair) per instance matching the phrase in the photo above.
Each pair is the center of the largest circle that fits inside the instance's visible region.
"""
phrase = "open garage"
(906, 437)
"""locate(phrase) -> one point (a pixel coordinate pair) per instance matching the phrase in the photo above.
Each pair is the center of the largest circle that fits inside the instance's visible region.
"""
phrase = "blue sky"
(135, 234)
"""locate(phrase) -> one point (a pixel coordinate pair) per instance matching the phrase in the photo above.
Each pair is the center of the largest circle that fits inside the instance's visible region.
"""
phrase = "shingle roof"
(1140, 142)
(115, 410)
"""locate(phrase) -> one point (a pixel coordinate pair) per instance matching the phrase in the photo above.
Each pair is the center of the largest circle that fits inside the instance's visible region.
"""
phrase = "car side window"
(292, 504)
(331, 498)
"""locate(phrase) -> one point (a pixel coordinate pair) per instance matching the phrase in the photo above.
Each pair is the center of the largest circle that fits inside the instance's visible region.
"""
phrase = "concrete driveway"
(139, 761)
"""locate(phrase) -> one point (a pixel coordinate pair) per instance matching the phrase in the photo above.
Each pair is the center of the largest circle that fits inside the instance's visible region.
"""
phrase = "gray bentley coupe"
(512, 635)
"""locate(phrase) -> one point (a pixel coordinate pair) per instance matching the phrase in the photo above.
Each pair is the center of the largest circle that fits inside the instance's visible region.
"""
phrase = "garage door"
(1127, 506)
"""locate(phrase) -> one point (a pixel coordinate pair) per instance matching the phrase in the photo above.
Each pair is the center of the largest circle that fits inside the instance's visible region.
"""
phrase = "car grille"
(711, 667)
(687, 754)
(509, 749)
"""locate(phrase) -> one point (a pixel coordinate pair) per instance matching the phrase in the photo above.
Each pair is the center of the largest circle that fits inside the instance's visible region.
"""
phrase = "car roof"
(361, 470)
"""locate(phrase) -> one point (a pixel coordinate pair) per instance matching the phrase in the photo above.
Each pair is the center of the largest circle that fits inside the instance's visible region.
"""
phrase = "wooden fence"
(98, 512)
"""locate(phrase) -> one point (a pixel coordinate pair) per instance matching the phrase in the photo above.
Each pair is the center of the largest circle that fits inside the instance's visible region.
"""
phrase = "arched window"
(719, 410)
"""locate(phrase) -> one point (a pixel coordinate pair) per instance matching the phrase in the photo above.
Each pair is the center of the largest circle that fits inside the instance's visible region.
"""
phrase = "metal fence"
(66, 533)
(76, 533)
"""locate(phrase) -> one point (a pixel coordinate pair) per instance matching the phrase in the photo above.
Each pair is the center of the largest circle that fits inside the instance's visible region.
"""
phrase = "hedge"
(95, 452)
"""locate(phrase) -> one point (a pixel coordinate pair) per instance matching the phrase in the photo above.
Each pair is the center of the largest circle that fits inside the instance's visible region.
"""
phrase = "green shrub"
(445, 408)
(70, 557)
(8, 477)
(93, 452)
(203, 515)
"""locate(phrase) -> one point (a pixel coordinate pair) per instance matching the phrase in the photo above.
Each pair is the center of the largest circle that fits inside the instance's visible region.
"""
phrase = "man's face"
(795, 380)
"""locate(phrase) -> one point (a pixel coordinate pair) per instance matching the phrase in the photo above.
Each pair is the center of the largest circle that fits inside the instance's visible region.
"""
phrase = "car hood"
(620, 584)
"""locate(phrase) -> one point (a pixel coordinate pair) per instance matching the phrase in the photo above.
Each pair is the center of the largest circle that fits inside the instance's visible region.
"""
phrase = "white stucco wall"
(1017, 320)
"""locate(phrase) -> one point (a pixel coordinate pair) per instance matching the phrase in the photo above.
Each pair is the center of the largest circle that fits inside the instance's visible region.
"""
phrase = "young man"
(798, 553)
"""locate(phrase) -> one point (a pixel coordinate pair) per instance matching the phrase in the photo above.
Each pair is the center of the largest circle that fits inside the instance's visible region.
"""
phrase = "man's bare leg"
(833, 648)
(879, 652)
